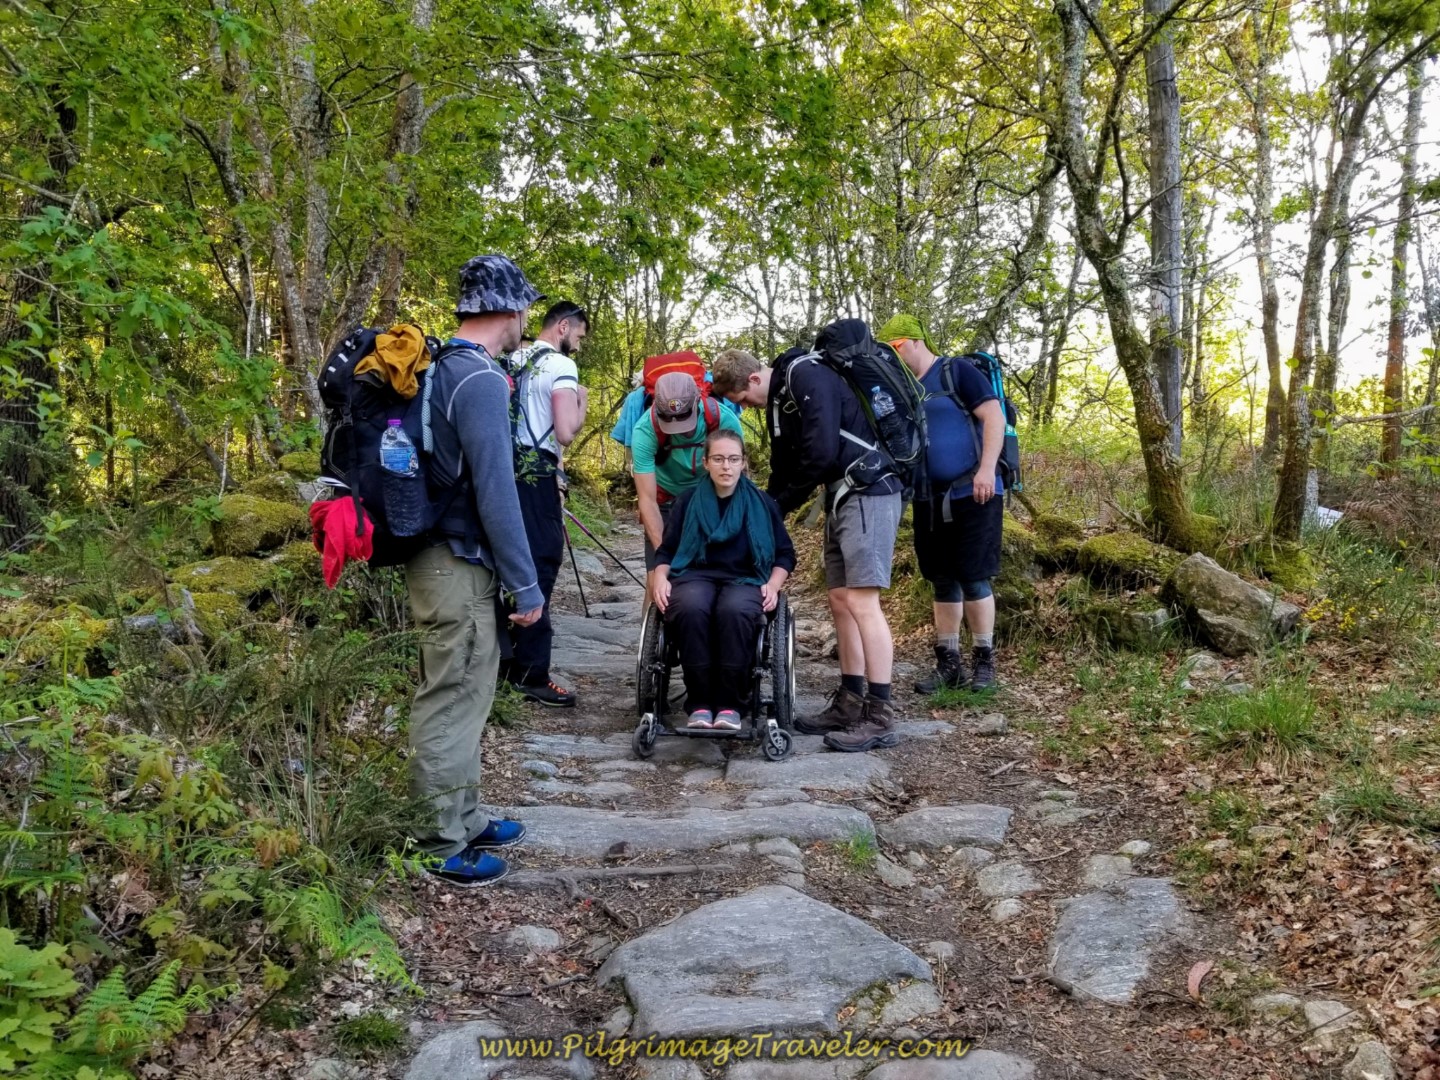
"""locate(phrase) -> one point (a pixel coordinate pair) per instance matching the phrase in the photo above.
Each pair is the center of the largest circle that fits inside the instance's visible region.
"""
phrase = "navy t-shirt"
(955, 435)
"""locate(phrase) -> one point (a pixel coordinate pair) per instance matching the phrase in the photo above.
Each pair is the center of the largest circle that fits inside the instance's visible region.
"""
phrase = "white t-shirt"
(539, 371)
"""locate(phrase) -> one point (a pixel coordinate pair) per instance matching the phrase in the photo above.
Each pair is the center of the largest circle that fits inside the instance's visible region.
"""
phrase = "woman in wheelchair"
(724, 557)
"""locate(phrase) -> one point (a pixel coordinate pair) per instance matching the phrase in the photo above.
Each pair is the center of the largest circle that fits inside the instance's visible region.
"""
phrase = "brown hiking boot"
(875, 731)
(844, 709)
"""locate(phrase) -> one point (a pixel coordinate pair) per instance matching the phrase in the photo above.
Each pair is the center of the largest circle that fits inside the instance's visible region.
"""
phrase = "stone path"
(789, 952)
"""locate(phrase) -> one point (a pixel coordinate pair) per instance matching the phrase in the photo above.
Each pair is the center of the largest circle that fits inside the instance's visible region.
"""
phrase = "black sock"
(880, 691)
(854, 683)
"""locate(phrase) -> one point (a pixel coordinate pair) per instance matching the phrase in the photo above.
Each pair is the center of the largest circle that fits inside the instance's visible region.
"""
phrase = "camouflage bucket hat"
(492, 283)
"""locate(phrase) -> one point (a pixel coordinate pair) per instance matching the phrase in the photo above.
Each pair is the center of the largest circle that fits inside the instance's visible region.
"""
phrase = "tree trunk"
(1430, 305)
(1166, 222)
(1052, 381)
(1263, 231)
(1399, 298)
(1289, 515)
(1164, 481)
(1327, 359)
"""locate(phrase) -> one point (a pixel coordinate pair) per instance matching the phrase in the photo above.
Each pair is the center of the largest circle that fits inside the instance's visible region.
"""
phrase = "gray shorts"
(860, 541)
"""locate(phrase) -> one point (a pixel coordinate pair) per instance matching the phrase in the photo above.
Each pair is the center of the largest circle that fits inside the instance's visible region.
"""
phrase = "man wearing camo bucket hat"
(479, 547)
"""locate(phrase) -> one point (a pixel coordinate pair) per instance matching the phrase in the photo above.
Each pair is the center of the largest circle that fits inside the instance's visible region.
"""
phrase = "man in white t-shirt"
(550, 411)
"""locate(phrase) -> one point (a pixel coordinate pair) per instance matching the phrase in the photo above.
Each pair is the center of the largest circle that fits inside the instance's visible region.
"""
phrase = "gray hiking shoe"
(844, 709)
(875, 731)
(982, 660)
(950, 673)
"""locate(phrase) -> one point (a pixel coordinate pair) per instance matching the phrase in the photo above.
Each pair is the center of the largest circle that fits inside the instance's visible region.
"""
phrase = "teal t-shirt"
(685, 463)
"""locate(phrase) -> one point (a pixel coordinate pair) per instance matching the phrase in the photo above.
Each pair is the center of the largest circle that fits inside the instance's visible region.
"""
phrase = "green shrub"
(368, 1033)
(1279, 721)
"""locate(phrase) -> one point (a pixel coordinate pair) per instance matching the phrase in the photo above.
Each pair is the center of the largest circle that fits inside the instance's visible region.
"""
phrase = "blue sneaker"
(471, 868)
(501, 833)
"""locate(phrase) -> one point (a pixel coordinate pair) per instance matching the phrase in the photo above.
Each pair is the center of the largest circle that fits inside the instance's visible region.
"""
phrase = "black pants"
(714, 625)
(545, 530)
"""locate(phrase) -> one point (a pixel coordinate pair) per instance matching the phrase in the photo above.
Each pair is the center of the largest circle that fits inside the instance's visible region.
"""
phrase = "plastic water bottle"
(888, 424)
(397, 452)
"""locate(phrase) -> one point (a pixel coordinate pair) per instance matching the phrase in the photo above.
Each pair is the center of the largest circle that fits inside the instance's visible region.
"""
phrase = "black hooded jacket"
(809, 407)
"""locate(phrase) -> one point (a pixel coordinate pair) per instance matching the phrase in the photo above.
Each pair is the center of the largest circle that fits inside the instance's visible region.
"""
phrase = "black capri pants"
(714, 624)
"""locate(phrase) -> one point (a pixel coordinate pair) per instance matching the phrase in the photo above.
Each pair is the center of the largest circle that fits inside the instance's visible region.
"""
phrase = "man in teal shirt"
(668, 447)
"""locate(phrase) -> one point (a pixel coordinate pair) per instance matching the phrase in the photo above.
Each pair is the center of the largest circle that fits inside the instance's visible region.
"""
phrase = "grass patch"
(859, 850)
(510, 709)
(948, 698)
(1279, 722)
(369, 1033)
(1371, 798)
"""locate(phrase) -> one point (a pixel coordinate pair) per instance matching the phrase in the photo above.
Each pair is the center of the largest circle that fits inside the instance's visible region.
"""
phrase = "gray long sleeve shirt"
(470, 426)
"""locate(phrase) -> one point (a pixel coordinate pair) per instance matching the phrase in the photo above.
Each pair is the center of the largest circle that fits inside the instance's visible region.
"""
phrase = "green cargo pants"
(453, 604)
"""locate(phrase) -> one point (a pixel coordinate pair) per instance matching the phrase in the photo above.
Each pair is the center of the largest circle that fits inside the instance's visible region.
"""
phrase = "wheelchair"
(768, 717)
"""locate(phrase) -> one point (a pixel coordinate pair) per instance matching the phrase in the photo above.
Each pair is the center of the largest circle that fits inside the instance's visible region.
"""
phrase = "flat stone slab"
(674, 749)
(580, 832)
(574, 746)
(949, 826)
(775, 796)
(455, 1053)
(975, 1065)
(1104, 940)
(601, 789)
(1103, 870)
(1003, 880)
(772, 959)
(798, 1069)
(829, 772)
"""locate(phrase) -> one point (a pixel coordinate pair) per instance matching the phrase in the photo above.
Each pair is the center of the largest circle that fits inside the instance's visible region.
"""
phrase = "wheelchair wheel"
(652, 641)
(782, 665)
(643, 741)
(776, 743)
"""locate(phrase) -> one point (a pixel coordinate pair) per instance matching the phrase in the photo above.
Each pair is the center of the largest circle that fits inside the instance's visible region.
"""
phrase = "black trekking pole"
(575, 566)
(601, 546)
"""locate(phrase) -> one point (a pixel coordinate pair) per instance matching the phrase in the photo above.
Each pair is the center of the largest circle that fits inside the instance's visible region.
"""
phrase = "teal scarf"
(704, 526)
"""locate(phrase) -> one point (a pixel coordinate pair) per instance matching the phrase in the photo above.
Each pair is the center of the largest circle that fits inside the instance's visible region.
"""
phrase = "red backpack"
(690, 364)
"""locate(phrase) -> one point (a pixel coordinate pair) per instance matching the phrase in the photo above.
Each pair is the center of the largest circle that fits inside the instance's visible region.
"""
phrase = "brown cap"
(676, 399)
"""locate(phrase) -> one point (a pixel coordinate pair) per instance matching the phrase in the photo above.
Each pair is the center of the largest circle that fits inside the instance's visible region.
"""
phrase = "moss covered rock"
(248, 524)
(301, 464)
(1017, 542)
(1143, 624)
(1287, 565)
(1015, 594)
(217, 612)
(1126, 560)
(1057, 541)
(238, 577)
(277, 487)
(64, 638)
(298, 558)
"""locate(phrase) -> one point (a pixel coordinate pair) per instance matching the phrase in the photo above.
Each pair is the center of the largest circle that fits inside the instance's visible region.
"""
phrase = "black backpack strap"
(947, 385)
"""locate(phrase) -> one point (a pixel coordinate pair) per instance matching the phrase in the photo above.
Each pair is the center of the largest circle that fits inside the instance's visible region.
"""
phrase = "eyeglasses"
(726, 459)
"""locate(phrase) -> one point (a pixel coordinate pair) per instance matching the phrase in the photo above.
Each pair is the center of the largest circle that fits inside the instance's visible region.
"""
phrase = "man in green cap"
(957, 529)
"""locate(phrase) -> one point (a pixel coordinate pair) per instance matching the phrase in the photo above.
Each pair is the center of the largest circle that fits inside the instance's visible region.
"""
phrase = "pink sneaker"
(701, 718)
(727, 720)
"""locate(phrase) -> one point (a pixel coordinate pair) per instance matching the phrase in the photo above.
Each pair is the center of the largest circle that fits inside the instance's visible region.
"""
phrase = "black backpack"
(874, 373)
(403, 509)
(990, 367)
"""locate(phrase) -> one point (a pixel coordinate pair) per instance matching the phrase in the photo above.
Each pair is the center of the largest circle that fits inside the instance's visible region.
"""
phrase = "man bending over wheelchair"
(720, 566)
